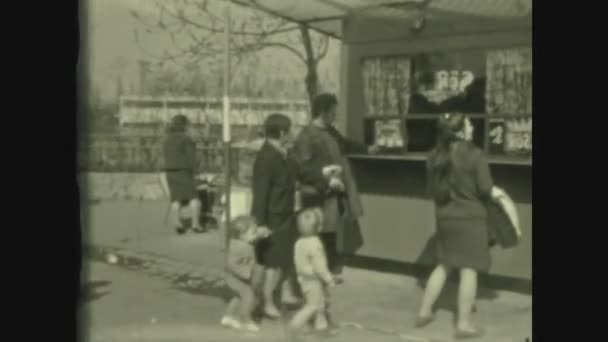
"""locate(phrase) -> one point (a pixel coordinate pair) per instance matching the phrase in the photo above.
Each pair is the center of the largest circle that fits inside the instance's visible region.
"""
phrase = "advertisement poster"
(388, 134)
(510, 136)
(448, 82)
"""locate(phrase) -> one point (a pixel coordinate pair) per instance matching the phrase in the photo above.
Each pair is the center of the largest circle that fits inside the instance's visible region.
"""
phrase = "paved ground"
(124, 306)
(170, 295)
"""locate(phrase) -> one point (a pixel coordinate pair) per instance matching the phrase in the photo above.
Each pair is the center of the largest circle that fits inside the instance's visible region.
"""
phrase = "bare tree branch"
(306, 40)
(196, 33)
(322, 50)
(181, 16)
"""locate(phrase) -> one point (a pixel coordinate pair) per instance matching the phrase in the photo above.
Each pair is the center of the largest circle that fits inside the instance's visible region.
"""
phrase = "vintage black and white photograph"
(306, 170)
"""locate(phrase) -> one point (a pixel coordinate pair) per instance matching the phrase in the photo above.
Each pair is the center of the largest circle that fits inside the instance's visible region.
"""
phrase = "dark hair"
(441, 164)
(178, 124)
(276, 124)
(322, 103)
(239, 225)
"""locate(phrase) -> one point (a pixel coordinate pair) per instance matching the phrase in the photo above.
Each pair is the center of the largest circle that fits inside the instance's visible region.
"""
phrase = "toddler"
(312, 271)
(239, 270)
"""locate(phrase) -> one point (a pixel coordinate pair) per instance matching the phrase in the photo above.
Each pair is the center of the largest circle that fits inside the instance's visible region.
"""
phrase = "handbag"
(501, 230)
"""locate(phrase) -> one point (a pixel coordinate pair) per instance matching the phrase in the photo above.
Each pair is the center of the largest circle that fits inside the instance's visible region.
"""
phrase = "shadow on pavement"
(202, 287)
(90, 291)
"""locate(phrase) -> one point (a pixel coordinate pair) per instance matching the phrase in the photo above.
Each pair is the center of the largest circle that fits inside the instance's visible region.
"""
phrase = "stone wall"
(146, 186)
(120, 186)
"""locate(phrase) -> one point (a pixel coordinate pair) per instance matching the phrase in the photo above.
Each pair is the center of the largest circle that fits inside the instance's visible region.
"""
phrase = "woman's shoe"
(180, 230)
(422, 322)
(230, 322)
(272, 313)
(462, 334)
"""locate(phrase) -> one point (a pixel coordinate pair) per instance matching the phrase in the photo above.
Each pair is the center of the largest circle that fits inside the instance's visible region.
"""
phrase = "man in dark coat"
(317, 147)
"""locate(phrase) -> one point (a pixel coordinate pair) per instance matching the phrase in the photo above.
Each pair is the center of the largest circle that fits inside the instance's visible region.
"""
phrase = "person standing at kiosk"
(321, 149)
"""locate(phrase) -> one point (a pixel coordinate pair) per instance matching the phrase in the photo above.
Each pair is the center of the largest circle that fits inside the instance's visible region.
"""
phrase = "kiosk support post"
(226, 124)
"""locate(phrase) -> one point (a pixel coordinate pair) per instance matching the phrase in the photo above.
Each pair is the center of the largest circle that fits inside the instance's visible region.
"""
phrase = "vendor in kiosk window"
(327, 181)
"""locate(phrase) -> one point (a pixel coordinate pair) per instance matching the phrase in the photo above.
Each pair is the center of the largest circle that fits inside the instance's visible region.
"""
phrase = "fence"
(115, 153)
(137, 147)
(209, 111)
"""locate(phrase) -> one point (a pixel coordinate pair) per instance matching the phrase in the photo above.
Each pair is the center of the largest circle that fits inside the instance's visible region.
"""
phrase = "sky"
(109, 32)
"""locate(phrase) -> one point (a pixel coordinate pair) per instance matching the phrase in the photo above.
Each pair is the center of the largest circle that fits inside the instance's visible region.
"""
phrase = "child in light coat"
(312, 271)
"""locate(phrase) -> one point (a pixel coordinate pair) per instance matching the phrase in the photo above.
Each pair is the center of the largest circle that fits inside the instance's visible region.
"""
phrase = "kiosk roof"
(326, 16)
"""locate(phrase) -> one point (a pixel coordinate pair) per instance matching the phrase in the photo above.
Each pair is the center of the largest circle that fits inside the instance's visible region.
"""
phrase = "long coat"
(313, 149)
(273, 186)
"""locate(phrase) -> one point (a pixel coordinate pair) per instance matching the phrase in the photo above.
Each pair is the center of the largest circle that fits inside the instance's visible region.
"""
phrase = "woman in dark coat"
(460, 183)
(274, 185)
(180, 170)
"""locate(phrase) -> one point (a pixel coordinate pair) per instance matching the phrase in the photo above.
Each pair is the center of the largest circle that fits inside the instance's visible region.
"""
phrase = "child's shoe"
(231, 322)
(272, 312)
(321, 323)
(250, 327)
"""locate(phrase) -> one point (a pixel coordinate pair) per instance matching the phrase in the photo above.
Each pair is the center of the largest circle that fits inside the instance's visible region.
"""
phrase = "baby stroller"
(207, 194)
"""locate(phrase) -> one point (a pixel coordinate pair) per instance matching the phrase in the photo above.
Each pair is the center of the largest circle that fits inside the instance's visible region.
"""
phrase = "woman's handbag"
(503, 223)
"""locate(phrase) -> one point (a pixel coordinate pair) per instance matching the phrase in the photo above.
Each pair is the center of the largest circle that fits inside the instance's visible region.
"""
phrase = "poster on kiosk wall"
(448, 81)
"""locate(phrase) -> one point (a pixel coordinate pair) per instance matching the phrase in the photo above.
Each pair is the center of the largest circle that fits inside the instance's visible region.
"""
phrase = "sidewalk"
(375, 302)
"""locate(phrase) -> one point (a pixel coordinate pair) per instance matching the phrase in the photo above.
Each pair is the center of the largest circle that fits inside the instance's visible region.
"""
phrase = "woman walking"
(460, 183)
(180, 171)
(274, 185)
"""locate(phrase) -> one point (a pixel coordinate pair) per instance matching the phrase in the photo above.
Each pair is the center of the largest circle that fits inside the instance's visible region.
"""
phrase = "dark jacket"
(274, 186)
(471, 184)
(180, 153)
(341, 211)
(312, 155)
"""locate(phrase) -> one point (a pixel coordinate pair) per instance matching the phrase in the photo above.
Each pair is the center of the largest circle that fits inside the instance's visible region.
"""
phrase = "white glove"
(331, 170)
(336, 184)
(263, 232)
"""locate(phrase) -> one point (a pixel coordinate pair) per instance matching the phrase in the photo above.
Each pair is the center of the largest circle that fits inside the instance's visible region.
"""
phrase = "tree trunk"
(312, 78)
(312, 83)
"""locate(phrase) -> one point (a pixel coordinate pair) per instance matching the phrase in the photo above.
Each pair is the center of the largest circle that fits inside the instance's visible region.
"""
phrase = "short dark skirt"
(182, 185)
(463, 243)
(276, 251)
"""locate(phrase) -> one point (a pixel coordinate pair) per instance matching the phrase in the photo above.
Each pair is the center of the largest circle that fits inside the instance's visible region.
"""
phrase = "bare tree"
(196, 27)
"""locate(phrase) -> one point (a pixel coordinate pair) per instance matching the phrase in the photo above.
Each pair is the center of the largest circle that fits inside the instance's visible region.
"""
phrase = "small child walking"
(312, 271)
(240, 262)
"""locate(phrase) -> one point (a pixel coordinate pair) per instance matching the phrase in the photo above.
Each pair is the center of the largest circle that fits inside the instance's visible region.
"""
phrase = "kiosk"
(403, 63)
